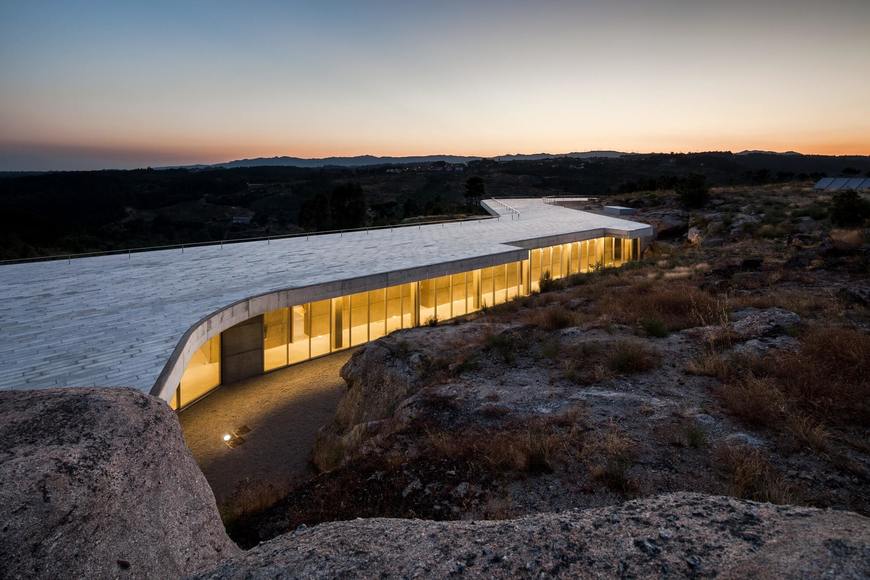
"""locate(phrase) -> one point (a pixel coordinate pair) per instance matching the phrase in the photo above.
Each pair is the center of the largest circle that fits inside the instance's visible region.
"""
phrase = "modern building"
(180, 322)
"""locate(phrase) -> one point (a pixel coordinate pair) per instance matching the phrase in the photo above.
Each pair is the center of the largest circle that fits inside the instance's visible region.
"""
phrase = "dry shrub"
(631, 356)
(757, 401)
(610, 457)
(829, 376)
(750, 475)
(808, 431)
(554, 317)
(676, 305)
(804, 303)
(533, 447)
(709, 364)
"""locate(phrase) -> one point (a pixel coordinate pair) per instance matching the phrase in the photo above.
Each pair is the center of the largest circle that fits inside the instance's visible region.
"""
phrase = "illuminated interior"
(305, 331)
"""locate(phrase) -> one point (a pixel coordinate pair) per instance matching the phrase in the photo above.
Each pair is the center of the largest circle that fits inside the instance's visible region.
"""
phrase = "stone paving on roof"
(115, 320)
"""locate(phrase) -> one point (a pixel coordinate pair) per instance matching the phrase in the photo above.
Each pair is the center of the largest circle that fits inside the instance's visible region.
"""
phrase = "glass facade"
(305, 331)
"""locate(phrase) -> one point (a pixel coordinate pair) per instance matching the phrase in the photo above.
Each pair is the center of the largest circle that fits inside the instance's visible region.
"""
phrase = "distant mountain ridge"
(367, 160)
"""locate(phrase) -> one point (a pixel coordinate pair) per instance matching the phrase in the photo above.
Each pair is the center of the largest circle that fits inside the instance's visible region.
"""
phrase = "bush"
(849, 209)
(654, 327)
(630, 356)
(548, 284)
(693, 191)
(553, 317)
(751, 476)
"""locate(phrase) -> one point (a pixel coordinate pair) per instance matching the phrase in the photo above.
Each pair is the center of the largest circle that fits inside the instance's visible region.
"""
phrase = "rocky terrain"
(703, 412)
(97, 483)
(730, 361)
(679, 535)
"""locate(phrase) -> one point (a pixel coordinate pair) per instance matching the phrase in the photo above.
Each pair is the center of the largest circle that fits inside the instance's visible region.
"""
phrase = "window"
(442, 289)
(377, 313)
(275, 339)
(203, 372)
(394, 308)
(513, 279)
(500, 284)
(472, 289)
(299, 348)
(409, 305)
(486, 298)
(427, 301)
(340, 323)
(359, 318)
(320, 323)
(575, 257)
(557, 262)
(535, 271)
(457, 282)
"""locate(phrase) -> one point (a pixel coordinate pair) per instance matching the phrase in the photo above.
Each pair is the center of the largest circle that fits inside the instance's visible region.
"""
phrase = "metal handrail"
(267, 239)
(512, 210)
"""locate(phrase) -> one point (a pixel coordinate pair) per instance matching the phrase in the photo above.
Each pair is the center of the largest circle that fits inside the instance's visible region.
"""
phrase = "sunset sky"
(122, 84)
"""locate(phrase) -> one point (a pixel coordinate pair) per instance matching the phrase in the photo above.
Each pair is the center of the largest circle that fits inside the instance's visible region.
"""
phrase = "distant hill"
(373, 160)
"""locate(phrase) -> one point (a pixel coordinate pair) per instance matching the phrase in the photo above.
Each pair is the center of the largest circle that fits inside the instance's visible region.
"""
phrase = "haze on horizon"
(100, 84)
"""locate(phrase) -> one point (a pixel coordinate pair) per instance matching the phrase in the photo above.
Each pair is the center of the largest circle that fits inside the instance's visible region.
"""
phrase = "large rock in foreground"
(98, 483)
(675, 535)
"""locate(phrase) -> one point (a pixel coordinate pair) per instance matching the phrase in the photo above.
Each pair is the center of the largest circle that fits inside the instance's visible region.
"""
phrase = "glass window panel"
(596, 257)
(566, 259)
(359, 318)
(340, 322)
(500, 284)
(608, 252)
(486, 287)
(275, 339)
(320, 327)
(575, 258)
(513, 279)
(442, 289)
(203, 372)
(546, 261)
(299, 348)
(535, 272)
(635, 249)
(525, 265)
(409, 305)
(557, 261)
(584, 256)
(427, 300)
(457, 282)
(377, 314)
(617, 252)
(473, 291)
(394, 308)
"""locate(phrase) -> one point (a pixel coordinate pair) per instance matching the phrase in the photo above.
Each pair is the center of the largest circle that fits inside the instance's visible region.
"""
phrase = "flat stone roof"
(115, 320)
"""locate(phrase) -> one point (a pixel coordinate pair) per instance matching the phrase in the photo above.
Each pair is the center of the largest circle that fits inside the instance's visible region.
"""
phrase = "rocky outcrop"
(675, 535)
(97, 483)
(381, 376)
(752, 330)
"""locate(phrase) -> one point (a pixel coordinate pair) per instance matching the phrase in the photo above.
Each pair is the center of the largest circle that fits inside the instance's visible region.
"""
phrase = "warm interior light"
(227, 436)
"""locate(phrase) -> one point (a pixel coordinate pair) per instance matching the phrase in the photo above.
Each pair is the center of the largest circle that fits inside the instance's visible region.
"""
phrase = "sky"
(115, 84)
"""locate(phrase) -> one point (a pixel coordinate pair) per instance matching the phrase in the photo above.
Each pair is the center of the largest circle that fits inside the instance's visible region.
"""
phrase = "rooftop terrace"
(115, 320)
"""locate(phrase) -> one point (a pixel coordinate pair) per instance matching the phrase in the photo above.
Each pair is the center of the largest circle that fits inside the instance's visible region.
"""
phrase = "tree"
(693, 191)
(475, 189)
(849, 209)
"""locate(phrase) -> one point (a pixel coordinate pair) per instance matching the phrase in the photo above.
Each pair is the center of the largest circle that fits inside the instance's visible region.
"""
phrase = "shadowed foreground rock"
(98, 483)
(675, 535)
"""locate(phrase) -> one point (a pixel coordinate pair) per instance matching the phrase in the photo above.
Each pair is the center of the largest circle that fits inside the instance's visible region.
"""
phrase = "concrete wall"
(242, 351)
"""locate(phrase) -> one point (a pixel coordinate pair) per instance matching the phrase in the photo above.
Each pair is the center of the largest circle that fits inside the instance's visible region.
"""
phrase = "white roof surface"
(114, 320)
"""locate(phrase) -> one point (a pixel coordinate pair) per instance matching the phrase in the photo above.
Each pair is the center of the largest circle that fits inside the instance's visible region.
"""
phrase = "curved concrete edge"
(241, 310)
